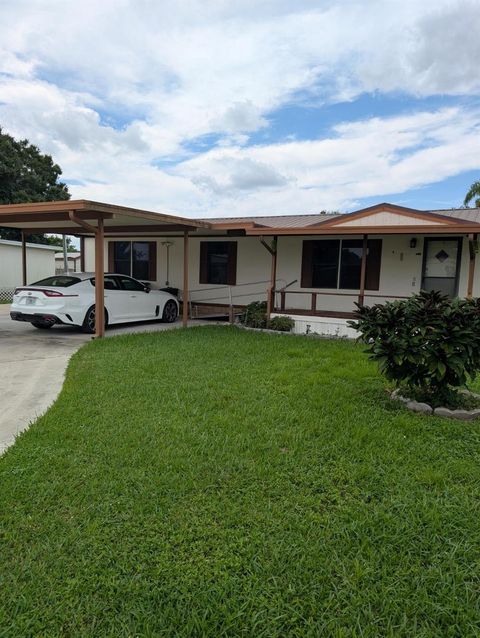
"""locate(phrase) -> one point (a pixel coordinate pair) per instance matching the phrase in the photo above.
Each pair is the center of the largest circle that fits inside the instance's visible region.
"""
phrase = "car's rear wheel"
(88, 325)
(170, 312)
(42, 325)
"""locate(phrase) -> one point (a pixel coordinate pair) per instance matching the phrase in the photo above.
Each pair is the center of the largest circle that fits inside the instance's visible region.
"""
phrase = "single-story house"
(40, 259)
(73, 262)
(313, 268)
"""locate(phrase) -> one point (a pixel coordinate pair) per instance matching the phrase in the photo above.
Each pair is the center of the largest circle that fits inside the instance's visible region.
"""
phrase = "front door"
(441, 265)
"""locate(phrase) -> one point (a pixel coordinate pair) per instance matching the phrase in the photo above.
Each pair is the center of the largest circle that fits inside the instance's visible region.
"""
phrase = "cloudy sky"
(228, 107)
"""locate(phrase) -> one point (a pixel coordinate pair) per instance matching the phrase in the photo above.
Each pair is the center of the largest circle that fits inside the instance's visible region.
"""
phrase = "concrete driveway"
(33, 364)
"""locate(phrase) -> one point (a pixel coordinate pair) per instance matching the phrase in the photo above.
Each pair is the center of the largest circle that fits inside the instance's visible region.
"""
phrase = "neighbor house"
(40, 259)
(314, 268)
(73, 262)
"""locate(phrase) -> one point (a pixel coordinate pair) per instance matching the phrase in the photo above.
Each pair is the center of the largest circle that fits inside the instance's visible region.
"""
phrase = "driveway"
(33, 364)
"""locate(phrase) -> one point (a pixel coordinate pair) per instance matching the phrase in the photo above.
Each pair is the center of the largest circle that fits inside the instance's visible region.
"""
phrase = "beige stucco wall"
(40, 264)
(253, 265)
(401, 271)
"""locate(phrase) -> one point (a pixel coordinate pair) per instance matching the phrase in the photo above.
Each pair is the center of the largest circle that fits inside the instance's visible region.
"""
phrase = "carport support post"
(185, 280)
(363, 270)
(99, 292)
(82, 254)
(24, 259)
(472, 244)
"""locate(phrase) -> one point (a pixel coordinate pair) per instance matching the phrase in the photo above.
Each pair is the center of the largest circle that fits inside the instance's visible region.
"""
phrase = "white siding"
(40, 264)
(385, 218)
(400, 274)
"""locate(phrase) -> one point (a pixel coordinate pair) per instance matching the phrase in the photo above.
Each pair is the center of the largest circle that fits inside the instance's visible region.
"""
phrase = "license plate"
(30, 301)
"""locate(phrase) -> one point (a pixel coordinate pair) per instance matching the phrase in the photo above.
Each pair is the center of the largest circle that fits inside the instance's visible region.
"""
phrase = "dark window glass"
(322, 259)
(351, 264)
(218, 262)
(130, 284)
(60, 281)
(325, 263)
(109, 283)
(122, 257)
(141, 260)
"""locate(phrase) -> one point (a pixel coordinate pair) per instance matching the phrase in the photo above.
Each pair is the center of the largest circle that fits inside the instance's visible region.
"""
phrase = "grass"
(217, 482)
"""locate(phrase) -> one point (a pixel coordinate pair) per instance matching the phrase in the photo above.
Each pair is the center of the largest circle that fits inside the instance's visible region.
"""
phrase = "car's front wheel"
(88, 325)
(170, 312)
(42, 325)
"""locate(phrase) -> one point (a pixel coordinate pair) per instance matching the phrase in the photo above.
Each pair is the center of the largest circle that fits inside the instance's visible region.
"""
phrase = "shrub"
(427, 343)
(255, 315)
(282, 324)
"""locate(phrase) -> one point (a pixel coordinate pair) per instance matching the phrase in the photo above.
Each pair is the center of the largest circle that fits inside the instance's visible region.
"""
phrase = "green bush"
(428, 343)
(282, 324)
(255, 315)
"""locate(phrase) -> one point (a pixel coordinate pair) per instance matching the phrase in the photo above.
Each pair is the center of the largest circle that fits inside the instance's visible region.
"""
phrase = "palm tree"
(474, 192)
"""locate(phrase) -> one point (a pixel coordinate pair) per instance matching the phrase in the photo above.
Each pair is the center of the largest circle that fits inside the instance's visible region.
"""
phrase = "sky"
(209, 108)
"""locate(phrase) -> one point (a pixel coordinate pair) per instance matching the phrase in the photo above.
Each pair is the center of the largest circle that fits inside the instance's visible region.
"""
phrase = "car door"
(140, 305)
(116, 299)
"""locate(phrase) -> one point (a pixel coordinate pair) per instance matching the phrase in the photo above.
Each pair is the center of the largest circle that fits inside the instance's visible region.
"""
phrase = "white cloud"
(118, 90)
(369, 158)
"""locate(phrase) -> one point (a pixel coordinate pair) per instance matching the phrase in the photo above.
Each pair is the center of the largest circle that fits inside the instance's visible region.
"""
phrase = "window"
(218, 262)
(109, 283)
(130, 284)
(335, 263)
(133, 258)
(59, 281)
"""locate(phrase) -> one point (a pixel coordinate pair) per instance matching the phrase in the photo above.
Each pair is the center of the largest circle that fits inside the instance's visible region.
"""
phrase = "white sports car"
(70, 300)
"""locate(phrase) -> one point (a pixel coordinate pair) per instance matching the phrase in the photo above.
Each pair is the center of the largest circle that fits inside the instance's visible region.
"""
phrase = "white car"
(70, 300)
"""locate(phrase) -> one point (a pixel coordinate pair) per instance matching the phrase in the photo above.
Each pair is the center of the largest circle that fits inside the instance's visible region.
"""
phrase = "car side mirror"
(146, 286)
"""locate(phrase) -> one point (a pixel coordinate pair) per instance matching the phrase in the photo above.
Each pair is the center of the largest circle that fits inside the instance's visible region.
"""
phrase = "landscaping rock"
(463, 415)
(443, 412)
(469, 394)
(424, 408)
(418, 406)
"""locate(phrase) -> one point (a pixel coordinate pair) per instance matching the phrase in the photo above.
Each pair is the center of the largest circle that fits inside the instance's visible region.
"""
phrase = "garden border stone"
(425, 408)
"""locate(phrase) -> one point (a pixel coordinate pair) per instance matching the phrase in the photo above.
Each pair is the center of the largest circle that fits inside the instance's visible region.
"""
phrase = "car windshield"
(59, 281)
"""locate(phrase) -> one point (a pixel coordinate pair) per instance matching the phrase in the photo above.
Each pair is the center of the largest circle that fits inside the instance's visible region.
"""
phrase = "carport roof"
(78, 217)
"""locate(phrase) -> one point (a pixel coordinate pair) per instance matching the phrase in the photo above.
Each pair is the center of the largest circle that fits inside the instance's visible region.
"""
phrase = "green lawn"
(215, 482)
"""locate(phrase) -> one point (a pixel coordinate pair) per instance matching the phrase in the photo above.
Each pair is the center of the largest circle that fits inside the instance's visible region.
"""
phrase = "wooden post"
(24, 259)
(273, 278)
(185, 280)
(363, 270)
(82, 254)
(99, 270)
(314, 302)
(472, 239)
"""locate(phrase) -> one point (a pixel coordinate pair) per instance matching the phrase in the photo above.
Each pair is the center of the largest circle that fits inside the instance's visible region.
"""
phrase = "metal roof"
(275, 221)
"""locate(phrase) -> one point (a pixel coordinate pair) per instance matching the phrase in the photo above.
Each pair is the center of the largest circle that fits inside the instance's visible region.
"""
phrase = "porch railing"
(230, 296)
(280, 300)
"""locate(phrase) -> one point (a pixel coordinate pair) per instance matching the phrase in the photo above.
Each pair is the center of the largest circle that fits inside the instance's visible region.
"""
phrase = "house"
(73, 260)
(40, 259)
(313, 268)
(312, 263)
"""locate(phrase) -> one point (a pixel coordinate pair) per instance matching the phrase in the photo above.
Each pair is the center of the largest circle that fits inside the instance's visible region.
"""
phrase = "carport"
(82, 219)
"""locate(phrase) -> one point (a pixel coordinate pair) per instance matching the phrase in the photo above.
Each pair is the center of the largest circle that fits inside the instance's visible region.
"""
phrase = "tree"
(473, 193)
(27, 175)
